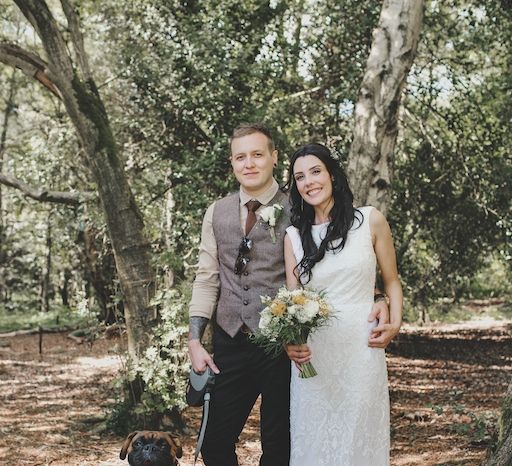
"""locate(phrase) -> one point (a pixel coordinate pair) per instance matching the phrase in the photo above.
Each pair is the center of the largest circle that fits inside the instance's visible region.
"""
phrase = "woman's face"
(313, 181)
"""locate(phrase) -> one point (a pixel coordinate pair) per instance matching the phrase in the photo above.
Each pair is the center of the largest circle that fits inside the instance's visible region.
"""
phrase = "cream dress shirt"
(206, 285)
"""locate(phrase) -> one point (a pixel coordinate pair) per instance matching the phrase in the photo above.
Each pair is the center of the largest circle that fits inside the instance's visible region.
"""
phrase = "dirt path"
(462, 371)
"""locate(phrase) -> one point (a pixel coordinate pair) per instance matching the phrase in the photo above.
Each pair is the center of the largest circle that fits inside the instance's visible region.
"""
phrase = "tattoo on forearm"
(196, 327)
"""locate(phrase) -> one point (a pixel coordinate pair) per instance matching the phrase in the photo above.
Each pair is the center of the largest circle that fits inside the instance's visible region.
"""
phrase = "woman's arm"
(297, 353)
(386, 258)
(290, 264)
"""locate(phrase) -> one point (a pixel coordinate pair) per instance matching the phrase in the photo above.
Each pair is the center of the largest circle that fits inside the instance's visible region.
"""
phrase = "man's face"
(253, 162)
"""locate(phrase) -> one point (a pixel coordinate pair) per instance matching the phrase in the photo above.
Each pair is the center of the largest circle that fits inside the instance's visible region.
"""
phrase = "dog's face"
(151, 448)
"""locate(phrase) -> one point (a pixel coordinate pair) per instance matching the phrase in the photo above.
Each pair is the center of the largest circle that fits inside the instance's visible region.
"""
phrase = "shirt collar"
(264, 198)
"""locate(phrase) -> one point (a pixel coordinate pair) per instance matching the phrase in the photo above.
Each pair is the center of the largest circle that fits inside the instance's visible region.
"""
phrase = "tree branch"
(41, 18)
(44, 195)
(77, 37)
(29, 63)
(296, 94)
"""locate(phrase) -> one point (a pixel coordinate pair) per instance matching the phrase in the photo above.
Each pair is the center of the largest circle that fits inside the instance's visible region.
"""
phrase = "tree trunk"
(392, 52)
(64, 287)
(9, 107)
(47, 269)
(74, 84)
(502, 455)
(99, 270)
(124, 221)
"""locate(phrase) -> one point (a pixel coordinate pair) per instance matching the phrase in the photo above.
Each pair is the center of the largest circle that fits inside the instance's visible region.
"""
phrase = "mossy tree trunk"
(71, 80)
(395, 40)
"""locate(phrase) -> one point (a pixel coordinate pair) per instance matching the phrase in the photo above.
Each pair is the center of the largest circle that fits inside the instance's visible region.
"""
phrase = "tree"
(502, 455)
(72, 81)
(395, 41)
(9, 107)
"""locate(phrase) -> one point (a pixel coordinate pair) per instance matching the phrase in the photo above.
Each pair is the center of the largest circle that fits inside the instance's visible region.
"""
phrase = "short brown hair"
(244, 129)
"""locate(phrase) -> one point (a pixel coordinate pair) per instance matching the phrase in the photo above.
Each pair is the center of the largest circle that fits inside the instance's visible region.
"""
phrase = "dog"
(151, 448)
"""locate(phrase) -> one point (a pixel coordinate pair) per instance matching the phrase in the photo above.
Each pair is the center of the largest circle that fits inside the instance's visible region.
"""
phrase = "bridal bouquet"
(288, 318)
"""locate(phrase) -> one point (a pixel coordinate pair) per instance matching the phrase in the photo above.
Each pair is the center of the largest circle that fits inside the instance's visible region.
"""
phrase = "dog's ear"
(173, 440)
(126, 444)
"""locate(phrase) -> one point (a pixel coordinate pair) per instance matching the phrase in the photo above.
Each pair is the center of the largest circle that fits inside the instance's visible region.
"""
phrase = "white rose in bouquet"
(265, 318)
(311, 309)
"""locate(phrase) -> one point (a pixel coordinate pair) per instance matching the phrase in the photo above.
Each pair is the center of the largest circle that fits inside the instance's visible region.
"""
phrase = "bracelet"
(380, 297)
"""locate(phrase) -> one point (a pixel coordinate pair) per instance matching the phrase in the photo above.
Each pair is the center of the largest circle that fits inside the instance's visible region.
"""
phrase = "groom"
(238, 263)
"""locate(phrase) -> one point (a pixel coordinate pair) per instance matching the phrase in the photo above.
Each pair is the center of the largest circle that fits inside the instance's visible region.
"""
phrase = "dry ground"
(49, 404)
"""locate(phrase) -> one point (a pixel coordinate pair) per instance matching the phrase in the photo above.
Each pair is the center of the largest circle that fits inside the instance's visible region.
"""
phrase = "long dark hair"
(343, 214)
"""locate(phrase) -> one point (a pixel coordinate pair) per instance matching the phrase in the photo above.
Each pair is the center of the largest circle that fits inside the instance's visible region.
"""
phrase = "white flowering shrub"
(163, 369)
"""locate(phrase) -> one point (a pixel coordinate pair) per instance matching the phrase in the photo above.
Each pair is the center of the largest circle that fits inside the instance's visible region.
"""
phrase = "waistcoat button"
(246, 273)
(246, 302)
(246, 287)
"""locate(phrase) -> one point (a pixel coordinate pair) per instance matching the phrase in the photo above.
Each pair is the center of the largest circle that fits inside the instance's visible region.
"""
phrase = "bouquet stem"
(307, 370)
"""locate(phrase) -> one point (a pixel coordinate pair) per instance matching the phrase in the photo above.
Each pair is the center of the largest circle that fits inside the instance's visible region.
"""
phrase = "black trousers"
(245, 373)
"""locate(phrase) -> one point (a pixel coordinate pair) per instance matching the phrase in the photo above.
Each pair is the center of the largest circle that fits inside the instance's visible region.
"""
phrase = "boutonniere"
(270, 215)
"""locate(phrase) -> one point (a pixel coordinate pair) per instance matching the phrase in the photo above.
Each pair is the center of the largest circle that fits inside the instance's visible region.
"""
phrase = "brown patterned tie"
(252, 207)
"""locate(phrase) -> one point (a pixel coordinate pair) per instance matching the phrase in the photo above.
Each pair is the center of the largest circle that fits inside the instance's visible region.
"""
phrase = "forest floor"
(446, 386)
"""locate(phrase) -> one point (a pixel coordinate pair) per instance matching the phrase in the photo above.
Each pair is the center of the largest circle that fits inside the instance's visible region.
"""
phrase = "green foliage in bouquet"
(289, 318)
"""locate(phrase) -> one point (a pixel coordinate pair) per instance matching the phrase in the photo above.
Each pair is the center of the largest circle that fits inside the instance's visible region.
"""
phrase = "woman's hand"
(299, 354)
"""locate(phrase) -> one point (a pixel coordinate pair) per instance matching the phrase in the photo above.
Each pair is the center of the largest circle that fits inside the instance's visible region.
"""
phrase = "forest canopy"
(176, 77)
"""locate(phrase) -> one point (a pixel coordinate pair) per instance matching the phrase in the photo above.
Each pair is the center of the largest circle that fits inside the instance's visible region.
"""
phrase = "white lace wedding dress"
(340, 417)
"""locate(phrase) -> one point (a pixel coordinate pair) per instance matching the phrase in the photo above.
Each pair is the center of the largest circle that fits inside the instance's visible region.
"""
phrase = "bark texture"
(98, 265)
(393, 49)
(9, 109)
(46, 293)
(30, 63)
(73, 83)
(502, 456)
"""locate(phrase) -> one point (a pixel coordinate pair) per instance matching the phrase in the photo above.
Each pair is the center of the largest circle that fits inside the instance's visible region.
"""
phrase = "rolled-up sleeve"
(205, 288)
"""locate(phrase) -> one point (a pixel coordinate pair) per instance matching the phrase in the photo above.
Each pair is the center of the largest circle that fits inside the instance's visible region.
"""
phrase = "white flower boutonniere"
(270, 215)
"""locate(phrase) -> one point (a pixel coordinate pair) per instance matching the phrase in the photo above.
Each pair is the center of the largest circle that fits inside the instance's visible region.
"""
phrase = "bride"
(341, 416)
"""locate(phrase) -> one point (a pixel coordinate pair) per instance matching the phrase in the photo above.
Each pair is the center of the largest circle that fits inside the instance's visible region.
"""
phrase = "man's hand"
(382, 335)
(380, 311)
(200, 358)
